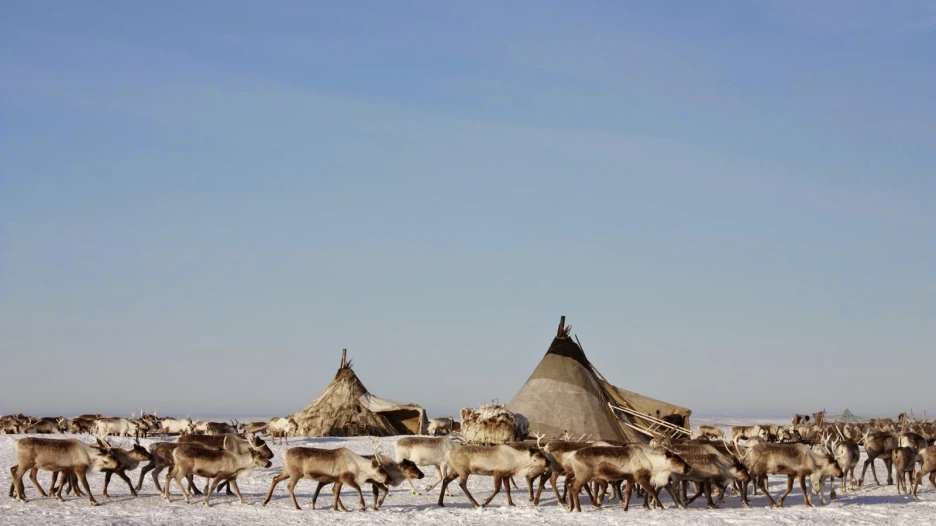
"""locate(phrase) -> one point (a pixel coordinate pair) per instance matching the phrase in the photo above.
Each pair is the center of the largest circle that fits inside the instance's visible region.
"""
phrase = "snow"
(869, 505)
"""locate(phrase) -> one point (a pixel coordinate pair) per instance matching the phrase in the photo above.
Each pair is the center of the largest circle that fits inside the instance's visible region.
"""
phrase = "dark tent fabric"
(566, 393)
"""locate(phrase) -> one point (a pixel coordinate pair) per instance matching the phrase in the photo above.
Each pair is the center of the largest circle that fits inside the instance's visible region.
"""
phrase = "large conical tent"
(345, 408)
(566, 393)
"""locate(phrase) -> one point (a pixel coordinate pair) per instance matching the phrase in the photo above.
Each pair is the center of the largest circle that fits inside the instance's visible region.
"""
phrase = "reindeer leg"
(155, 475)
(232, 483)
(177, 476)
(675, 496)
(497, 488)
(463, 484)
(349, 480)
(84, 482)
(120, 473)
(35, 480)
(802, 483)
(762, 481)
(573, 493)
(276, 480)
(143, 471)
(336, 489)
(539, 490)
(168, 478)
(107, 477)
(191, 485)
(214, 483)
(318, 488)
(61, 486)
(412, 487)
(531, 481)
(700, 489)
(888, 463)
(788, 490)
(628, 489)
(873, 471)
(445, 482)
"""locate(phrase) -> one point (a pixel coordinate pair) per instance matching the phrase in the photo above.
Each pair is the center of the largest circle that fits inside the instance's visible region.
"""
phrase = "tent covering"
(567, 393)
(345, 408)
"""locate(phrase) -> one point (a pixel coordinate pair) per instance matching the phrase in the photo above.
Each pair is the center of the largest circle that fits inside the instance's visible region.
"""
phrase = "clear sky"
(201, 203)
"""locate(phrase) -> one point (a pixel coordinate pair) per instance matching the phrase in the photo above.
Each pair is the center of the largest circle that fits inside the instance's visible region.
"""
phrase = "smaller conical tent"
(567, 393)
(345, 408)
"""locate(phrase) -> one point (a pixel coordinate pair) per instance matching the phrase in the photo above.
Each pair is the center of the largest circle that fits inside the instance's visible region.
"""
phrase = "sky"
(202, 203)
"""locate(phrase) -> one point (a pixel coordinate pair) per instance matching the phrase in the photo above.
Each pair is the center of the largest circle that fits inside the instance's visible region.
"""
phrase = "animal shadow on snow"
(865, 500)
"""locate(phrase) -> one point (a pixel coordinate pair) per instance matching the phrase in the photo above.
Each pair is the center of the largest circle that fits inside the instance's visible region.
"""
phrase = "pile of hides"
(493, 424)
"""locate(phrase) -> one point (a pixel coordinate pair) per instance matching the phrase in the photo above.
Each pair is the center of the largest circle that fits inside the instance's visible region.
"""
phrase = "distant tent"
(566, 393)
(345, 408)
(848, 417)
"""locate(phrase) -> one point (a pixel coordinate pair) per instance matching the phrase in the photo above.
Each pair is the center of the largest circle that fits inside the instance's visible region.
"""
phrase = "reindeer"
(648, 467)
(794, 461)
(557, 452)
(747, 433)
(241, 443)
(501, 462)
(928, 456)
(879, 444)
(49, 425)
(710, 432)
(115, 426)
(160, 459)
(914, 441)
(440, 426)
(127, 460)
(425, 451)
(69, 455)
(904, 460)
(256, 428)
(225, 465)
(339, 466)
(711, 467)
(282, 427)
(175, 426)
(397, 473)
(847, 454)
(81, 425)
(222, 428)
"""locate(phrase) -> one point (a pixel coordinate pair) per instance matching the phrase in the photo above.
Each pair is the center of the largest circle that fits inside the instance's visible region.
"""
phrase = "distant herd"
(711, 464)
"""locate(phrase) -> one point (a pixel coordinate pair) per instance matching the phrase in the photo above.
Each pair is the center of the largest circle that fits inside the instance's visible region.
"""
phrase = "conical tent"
(566, 393)
(345, 408)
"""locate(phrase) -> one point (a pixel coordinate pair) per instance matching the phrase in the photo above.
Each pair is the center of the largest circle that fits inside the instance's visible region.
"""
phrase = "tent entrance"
(405, 421)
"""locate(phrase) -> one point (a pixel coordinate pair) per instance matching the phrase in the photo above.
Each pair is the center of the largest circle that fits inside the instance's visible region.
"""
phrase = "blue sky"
(201, 203)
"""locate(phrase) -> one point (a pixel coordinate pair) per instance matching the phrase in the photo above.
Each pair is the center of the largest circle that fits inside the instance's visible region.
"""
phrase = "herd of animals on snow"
(712, 464)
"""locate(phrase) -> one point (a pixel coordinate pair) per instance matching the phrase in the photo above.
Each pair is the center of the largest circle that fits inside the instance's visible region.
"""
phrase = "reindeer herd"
(711, 465)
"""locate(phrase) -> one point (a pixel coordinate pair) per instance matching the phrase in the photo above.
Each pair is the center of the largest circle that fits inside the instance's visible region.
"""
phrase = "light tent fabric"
(345, 408)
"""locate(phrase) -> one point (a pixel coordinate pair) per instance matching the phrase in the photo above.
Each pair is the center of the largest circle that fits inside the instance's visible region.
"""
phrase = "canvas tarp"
(406, 418)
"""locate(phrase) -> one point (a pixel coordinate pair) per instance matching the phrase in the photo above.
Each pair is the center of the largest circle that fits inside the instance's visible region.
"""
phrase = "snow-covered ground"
(869, 505)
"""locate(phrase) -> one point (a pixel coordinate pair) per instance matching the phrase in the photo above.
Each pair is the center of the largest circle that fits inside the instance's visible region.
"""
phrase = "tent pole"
(344, 356)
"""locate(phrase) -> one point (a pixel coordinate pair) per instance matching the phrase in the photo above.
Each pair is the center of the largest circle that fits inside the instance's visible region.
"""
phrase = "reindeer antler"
(375, 442)
(539, 437)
